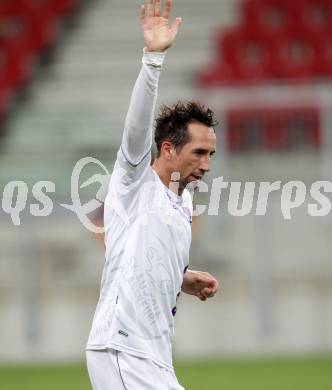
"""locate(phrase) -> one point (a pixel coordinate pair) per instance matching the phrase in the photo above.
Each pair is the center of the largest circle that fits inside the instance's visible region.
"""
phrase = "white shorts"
(116, 370)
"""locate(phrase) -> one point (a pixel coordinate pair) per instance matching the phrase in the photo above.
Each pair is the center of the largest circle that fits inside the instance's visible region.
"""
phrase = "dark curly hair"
(172, 122)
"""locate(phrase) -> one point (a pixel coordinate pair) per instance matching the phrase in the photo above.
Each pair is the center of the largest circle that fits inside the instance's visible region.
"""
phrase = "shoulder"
(128, 173)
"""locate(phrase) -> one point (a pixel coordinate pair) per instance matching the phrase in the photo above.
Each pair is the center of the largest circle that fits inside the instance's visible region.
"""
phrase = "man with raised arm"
(147, 217)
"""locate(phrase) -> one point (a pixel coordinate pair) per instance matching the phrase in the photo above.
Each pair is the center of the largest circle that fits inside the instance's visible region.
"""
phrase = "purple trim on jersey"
(185, 211)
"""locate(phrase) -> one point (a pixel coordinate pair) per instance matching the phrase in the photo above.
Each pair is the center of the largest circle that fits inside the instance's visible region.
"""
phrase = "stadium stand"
(275, 43)
(76, 100)
(273, 129)
(28, 29)
(276, 40)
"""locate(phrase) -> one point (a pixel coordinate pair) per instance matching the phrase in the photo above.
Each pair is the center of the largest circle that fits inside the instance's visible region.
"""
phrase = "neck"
(165, 175)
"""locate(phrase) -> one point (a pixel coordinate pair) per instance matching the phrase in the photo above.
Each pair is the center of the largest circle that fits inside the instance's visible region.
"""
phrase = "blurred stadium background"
(67, 68)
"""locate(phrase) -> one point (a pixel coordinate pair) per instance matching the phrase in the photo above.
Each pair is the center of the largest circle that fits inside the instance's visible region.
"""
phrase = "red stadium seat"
(314, 137)
(244, 129)
(313, 129)
(316, 17)
(215, 75)
(64, 7)
(22, 7)
(248, 53)
(235, 136)
(324, 57)
(15, 70)
(17, 58)
(271, 17)
(304, 127)
(235, 139)
(40, 23)
(276, 133)
(276, 138)
(295, 57)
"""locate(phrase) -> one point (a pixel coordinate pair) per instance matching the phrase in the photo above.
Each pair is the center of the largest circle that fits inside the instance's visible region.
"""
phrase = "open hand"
(158, 35)
(201, 284)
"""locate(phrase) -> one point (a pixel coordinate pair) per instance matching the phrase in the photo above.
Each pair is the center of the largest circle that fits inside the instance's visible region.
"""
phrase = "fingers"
(167, 9)
(201, 297)
(206, 285)
(205, 293)
(175, 25)
(142, 12)
(209, 281)
(150, 8)
(208, 292)
(215, 286)
(154, 10)
(157, 8)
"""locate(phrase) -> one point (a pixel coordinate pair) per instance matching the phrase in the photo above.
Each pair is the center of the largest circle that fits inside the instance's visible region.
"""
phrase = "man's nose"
(205, 165)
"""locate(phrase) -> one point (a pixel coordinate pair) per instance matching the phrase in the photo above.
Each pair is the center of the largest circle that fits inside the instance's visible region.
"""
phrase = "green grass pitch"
(268, 374)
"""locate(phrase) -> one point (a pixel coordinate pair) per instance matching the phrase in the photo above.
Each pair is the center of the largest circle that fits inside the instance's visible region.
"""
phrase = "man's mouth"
(196, 177)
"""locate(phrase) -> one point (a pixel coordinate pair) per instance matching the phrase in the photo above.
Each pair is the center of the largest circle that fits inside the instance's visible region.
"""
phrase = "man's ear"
(167, 150)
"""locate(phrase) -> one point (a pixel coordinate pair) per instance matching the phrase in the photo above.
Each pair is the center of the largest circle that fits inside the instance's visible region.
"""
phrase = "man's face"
(194, 159)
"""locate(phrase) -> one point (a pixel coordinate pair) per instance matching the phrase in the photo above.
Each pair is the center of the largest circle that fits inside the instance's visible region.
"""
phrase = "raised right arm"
(158, 37)
(137, 135)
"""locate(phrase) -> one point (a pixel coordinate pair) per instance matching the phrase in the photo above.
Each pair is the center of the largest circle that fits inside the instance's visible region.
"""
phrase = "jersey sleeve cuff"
(154, 58)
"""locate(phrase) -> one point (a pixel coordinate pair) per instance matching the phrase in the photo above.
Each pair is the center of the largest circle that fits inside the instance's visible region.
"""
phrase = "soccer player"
(147, 216)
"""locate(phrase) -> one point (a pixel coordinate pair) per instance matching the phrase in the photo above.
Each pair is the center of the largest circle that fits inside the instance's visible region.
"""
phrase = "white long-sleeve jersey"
(147, 236)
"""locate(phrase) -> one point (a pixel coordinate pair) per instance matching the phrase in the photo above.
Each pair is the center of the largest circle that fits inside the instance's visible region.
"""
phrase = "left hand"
(201, 284)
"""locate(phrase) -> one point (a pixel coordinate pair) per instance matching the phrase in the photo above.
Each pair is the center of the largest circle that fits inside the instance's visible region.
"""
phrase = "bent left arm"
(200, 284)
